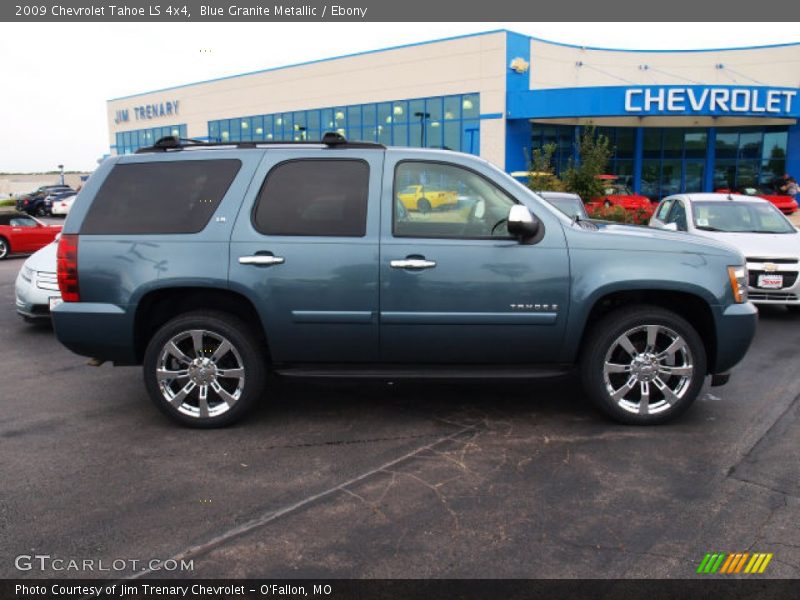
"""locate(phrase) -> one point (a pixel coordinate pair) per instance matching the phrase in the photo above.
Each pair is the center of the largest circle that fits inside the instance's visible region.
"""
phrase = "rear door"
(305, 250)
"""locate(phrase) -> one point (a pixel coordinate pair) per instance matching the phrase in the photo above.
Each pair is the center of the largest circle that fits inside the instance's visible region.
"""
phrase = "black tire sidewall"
(607, 330)
(4, 244)
(249, 348)
(424, 205)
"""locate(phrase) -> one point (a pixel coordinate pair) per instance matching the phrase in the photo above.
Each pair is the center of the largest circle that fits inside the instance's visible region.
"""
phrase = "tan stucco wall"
(555, 66)
(471, 64)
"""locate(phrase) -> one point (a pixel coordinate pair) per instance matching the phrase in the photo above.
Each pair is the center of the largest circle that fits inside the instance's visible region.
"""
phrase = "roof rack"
(331, 139)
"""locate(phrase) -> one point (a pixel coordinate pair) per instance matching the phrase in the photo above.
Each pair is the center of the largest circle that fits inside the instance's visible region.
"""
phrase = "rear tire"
(5, 248)
(424, 205)
(205, 369)
(643, 365)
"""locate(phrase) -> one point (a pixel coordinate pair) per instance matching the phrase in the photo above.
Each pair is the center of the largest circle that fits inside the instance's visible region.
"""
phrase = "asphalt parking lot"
(409, 480)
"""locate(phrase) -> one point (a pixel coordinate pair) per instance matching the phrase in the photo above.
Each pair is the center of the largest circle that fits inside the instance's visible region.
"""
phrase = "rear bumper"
(736, 327)
(103, 331)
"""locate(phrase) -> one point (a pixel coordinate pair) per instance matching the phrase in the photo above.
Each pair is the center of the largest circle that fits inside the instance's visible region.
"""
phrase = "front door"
(455, 287)
(305, 249)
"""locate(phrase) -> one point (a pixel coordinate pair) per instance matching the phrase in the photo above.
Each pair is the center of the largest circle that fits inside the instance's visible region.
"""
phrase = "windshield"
(740, 217)
(617, 189)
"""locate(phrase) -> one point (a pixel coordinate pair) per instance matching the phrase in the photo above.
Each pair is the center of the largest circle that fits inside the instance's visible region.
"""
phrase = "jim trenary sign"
(710, 100)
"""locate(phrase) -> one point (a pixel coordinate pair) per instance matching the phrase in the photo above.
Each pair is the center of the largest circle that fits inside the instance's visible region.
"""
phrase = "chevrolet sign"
(688, 100)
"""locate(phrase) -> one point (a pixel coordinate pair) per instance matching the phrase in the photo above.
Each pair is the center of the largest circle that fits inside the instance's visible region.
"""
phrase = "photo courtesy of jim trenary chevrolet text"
(365, 299)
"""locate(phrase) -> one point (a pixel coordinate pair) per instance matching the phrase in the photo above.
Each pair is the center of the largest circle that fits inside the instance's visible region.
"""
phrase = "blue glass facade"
(659, 161)
(451, 122)
(129, 142)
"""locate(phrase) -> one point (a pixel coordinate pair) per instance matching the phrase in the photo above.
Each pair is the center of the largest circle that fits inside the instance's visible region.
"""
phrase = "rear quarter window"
(160, 197)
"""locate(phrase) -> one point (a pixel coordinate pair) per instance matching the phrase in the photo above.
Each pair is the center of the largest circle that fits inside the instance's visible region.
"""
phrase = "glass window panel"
(671, 176)
(354, 116)
(416, 111)
(433, 106)
(258, 128)
(725, 174)
(772, 169)
(327, 123)
(626, 140)
(384, 113)
(470, 106)
(269, 122)
(652, 144)
(726, 144)
(651, 169)
(339, 117)
(235, 130)
(299, 118)
(400, 135)
(747, 174)
(452, 135)
(400, 112)
(312, 119)
(385, 134)
(246, 130)
(673, 143)
(433, 134)
(369, 115)
(416, 135)
(693, 178)
(369, 133)
(750, 145)
(452, 108)
(695, 143)
(775, 145)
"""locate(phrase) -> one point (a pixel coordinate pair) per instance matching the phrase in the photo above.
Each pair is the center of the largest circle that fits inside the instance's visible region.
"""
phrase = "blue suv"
(212, 264)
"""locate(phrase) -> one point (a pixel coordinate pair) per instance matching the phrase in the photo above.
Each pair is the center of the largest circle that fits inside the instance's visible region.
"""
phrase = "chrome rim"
(3, 249)
(200, 373)
(648, 369)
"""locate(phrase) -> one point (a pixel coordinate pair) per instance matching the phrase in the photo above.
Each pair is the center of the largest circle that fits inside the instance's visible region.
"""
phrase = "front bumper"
(32, 302)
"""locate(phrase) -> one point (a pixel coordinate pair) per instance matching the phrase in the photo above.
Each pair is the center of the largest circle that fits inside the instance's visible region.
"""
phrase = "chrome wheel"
(200, 373)
(648, 369)
(3, 249)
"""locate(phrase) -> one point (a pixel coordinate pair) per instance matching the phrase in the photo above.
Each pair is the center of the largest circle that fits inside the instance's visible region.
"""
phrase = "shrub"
(619, 215)
(541, 176)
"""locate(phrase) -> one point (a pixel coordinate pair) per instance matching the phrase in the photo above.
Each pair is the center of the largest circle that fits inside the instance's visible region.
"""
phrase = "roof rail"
(331, 139)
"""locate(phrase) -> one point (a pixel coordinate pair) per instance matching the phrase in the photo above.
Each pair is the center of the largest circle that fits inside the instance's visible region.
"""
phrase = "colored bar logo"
(733, 563)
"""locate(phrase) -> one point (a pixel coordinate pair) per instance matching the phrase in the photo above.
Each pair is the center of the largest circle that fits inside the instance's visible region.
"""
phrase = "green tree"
(541, 175)
(594, 151)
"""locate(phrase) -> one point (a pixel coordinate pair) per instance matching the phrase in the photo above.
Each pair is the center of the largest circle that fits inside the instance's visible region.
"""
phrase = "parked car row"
(41, 202)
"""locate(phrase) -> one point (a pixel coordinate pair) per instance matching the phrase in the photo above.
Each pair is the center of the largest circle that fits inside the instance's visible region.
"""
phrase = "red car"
(786, 204)
(21, 233)
(618, 194)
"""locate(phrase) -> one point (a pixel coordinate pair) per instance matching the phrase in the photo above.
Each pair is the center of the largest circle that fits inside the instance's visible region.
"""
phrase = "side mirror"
(670, 226)
(521, 223)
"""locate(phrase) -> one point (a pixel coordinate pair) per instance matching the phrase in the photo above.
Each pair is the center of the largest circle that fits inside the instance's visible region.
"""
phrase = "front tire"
(205, 369)
(424, 205)
(643, 365)
(5, 248)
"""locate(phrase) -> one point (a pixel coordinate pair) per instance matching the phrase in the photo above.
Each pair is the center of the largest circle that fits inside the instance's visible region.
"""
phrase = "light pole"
(61, 168)
(422, 116)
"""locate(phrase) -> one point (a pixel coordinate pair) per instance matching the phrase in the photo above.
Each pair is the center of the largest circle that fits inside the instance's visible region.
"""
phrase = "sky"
(55, 78)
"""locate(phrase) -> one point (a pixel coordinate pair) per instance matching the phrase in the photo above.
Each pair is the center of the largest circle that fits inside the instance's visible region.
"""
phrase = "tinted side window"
(678, 215)
(324, 197)
(160, 197)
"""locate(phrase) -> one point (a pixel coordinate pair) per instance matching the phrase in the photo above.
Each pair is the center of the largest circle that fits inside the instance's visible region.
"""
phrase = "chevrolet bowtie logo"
(770, 267)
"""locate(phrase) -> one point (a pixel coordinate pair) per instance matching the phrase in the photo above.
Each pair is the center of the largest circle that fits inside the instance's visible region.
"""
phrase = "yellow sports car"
(418, 197)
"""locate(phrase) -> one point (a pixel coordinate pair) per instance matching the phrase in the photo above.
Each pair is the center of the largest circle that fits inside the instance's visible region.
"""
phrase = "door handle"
(412, 263)
(261, 260)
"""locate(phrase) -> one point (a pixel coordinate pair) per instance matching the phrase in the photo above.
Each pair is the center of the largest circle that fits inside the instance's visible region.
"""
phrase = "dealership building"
(682, 120)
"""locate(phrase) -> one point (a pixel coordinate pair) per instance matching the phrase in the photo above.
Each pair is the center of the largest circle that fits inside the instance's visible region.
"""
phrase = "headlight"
(738, 278)
(27, 274)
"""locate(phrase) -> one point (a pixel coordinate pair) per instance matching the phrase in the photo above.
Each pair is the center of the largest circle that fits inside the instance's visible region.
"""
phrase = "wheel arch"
(689, 305)
(158, 306)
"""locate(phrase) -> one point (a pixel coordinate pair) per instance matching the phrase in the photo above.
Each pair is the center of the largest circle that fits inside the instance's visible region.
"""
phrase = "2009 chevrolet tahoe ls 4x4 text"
(210, 264)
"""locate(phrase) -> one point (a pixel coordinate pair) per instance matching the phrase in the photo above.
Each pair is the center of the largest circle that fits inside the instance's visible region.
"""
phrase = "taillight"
(68, 267)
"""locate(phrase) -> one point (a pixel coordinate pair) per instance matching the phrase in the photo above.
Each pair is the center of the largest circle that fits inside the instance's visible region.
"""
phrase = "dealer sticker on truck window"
(770, 281)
